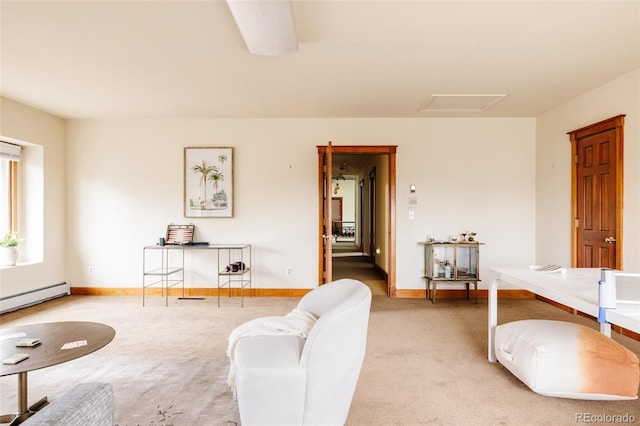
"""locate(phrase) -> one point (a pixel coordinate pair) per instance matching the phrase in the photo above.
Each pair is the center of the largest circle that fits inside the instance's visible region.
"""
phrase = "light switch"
(411, 215)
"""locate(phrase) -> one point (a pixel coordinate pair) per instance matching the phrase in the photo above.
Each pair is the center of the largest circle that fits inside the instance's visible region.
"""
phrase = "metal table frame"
(171, 270)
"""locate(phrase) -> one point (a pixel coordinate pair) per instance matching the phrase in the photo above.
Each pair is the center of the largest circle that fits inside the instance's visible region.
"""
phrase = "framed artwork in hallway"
(208, 182)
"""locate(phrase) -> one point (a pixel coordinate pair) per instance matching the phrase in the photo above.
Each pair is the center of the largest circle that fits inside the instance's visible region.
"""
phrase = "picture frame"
(208, 182)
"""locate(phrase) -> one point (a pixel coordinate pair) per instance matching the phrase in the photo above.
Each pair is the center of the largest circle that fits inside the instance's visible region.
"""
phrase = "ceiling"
(356, 58)
(352, 166)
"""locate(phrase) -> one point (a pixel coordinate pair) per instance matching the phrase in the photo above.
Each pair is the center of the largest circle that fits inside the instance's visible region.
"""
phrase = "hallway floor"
(358, 268)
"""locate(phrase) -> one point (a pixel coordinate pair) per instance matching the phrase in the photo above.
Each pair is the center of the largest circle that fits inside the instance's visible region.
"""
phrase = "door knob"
(610, 240)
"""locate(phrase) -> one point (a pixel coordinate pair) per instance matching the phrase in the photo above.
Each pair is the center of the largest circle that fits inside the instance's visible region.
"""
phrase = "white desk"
(577, 289)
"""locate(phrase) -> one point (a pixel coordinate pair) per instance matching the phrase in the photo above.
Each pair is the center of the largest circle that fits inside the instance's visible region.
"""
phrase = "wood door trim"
(389, 150)
(614, 123)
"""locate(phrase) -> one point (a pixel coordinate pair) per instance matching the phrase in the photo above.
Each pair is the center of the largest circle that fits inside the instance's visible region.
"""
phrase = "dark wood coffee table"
(54, 336)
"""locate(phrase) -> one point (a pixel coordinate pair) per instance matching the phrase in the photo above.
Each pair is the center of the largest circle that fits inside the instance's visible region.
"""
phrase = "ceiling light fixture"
(267, 26)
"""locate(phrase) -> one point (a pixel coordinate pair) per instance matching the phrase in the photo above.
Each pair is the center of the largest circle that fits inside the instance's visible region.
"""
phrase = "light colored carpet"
(425, 363)
(147, 390)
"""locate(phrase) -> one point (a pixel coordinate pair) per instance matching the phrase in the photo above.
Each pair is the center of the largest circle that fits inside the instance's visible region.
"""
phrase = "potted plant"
(9, 249)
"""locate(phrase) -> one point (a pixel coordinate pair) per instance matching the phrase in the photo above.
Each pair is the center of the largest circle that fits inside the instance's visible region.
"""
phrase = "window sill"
(18, 265)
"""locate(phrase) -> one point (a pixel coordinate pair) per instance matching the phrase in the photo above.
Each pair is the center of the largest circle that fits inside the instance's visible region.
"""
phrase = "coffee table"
(60, 342)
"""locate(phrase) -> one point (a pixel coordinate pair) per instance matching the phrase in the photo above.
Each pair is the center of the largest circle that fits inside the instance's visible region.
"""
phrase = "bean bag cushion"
(566, 360)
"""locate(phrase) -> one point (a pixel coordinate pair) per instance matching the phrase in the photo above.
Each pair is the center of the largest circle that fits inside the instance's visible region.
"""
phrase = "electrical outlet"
(289, 271)
(90, 270)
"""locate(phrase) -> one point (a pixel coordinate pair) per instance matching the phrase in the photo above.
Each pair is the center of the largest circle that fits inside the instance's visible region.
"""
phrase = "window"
(9, 158)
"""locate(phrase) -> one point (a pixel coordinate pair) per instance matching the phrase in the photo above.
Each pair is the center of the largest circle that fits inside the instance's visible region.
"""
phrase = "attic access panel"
(180, 234)
(460, 102)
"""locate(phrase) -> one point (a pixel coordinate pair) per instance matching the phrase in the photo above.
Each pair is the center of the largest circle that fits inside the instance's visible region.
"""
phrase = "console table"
(167, 269)
(576, 288)
(452, 263)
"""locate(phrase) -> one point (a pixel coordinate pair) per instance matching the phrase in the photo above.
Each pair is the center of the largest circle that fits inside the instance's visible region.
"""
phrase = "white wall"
(382, 203)
(508, 179)
(124, 185)
(553, 167)
(470, 174)
(43, 213)
(348, 190)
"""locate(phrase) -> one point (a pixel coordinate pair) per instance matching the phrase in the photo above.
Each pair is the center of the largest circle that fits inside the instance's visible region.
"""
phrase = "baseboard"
(462, 294)
(189, 292)
(383, 274)
(284, 292)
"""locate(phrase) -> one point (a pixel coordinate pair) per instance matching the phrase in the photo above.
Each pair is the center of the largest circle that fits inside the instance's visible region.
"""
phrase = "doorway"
(359, 253)
(354, 248)
(597, 194)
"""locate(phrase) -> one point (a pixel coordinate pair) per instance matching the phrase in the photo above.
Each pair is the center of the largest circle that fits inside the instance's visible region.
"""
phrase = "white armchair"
(289, 380)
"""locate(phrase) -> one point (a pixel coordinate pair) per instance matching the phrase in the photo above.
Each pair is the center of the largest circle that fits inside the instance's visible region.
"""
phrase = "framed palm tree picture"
(208, 182)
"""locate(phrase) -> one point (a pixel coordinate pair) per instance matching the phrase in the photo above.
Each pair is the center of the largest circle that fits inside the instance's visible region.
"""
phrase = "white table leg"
(493, 318)
(605, 328)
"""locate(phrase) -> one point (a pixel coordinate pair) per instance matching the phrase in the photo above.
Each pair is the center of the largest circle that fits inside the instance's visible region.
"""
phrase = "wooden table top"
(53, 335)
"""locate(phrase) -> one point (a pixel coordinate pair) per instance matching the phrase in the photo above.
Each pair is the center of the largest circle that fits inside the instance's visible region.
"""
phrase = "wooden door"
(326, 217)
(597, 194)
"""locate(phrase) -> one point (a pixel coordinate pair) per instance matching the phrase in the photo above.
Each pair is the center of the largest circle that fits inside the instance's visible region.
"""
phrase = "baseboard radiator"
(33, 297)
